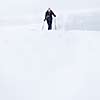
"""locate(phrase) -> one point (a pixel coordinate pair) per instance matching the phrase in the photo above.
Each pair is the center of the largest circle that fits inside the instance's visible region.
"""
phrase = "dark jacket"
(48, 15)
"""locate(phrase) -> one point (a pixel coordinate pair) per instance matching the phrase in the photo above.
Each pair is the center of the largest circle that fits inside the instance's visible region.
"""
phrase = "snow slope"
(62, 64)
(57, 65)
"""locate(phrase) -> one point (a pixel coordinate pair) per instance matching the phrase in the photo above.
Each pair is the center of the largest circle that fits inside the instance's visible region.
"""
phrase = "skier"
(48, 18)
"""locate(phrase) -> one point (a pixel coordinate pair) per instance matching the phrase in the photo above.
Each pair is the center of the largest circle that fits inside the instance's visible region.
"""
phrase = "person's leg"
(50, 25)
(49, 22)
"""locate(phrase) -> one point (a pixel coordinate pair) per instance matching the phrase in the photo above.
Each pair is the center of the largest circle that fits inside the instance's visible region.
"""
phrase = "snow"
(61, 64)
(49, 65)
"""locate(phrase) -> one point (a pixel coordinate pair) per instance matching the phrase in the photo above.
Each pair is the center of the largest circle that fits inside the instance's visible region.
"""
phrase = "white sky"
(30, 6)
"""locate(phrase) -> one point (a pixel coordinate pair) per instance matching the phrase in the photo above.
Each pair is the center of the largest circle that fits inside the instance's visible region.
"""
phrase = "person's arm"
(53, 13)
(45, 16)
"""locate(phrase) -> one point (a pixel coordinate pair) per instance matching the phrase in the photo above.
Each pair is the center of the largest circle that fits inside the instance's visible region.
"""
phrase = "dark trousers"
(49, 22)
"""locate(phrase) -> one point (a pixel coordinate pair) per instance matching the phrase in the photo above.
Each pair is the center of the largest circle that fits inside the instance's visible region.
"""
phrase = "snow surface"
(49, 65)
(62, 64)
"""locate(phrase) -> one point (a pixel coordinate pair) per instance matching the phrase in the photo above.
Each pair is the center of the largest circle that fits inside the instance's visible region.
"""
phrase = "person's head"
(49, 9)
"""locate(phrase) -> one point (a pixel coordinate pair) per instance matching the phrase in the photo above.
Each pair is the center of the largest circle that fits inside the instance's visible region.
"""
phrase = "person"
(48, 17)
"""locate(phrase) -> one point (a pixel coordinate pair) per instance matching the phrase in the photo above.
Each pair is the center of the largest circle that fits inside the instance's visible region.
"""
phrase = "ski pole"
(55, 24)
(43, 25)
